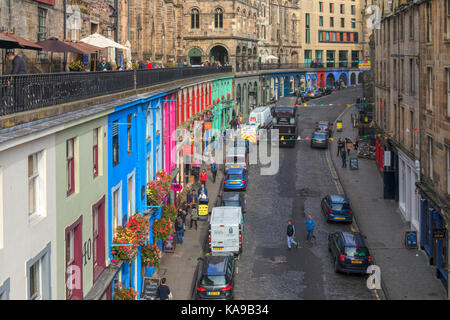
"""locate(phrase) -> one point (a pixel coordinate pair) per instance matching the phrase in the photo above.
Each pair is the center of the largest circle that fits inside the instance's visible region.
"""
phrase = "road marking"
(335, 178)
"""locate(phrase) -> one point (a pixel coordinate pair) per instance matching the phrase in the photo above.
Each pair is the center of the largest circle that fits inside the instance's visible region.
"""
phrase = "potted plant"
(151, 255)
(76, 66)
(128, 253)
(125, 294)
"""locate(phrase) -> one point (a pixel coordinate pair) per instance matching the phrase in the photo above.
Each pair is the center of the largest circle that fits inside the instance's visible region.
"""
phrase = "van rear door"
(225, 239)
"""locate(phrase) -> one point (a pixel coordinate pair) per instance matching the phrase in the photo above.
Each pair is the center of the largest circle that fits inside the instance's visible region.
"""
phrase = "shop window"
(35, 184)
(115, 136)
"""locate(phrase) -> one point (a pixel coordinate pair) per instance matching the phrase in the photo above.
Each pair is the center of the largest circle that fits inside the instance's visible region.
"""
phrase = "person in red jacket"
(203, 177)
(149, 64)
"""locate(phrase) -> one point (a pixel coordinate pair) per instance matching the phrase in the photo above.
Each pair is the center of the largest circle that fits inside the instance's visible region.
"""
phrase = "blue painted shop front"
(333, 76)
(435, 247)
(134, 156)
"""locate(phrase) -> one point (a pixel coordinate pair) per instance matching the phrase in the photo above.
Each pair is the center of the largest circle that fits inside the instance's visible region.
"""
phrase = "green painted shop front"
(222, 98)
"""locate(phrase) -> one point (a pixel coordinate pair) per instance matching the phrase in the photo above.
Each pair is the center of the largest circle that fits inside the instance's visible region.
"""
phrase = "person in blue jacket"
(310, 228)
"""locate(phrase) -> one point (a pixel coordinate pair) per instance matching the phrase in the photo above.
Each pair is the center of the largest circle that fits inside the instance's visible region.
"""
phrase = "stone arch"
(343, 79)
(220, 53)
(196, 54)
(302, 82)
(330, 80)
(352, 78)
(294, 57)
(360, 78)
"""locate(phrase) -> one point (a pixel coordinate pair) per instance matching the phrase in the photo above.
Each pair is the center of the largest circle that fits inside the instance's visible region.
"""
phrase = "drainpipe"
(64, 37)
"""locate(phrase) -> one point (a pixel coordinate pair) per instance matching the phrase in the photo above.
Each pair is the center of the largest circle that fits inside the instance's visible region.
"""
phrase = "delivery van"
(236, 158)
(226, 231)
(261, 116)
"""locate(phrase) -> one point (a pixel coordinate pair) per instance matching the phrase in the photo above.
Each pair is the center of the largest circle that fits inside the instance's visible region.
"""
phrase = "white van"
(226, 231)
(236, 158)
(261, 116)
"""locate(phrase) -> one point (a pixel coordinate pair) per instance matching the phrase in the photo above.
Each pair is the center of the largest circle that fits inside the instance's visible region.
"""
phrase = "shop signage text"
(439, 233)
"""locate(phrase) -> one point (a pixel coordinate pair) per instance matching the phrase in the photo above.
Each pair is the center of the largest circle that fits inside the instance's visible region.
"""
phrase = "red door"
(74, 266)
(98, 238)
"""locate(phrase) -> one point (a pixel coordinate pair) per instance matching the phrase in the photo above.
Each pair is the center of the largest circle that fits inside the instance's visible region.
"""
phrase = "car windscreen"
(323, 126)
(356, 252)
(234, 177)
(207, 280)
(230, 203)
(340, 206)
(319, 136)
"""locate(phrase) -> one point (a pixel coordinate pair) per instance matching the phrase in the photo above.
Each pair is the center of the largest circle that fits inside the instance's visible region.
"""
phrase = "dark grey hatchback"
(216, 278)
(233, 199)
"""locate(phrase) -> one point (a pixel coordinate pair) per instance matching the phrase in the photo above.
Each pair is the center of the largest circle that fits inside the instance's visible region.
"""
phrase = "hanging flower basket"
(158, 190)
(125, 294)
(124, 253)
(169, 212)
(151, 255)
(162, 229)
(141, 227)
(229, 95)
(223, 97)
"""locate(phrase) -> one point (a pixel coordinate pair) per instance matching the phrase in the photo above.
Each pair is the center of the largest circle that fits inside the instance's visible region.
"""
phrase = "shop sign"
(50, 2)
(177, 187)
(364, 65)
(387, 159)
(187, 149)
(208, 125)
(439, 233)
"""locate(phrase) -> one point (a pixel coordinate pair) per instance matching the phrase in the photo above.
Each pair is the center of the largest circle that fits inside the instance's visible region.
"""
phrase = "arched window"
(218, 18)
(195, 19)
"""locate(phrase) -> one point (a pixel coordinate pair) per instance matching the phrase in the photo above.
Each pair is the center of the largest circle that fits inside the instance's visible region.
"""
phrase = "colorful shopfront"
(434, 234)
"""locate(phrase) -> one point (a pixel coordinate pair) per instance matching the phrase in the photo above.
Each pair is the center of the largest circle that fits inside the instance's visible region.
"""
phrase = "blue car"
(319, 140)
(236, 179)
(337, 208)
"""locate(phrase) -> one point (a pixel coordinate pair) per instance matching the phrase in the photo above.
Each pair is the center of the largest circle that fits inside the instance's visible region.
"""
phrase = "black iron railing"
(20, 93)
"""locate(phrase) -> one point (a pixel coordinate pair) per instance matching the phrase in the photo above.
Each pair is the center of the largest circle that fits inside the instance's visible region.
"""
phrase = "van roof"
(236, 151)
(259, 109)
(226, 215)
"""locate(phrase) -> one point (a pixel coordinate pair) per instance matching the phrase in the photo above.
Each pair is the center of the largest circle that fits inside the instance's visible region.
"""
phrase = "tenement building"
(332, 32)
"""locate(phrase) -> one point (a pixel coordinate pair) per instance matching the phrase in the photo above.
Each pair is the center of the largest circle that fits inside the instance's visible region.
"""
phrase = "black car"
(233, 199)
(349, 252)
(319, 139)
(216, 278)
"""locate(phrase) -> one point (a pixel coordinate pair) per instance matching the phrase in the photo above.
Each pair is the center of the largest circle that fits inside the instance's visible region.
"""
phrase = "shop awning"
(8, 43)
(82, 46)
(102, 42)
(54, 45)
(23, 43)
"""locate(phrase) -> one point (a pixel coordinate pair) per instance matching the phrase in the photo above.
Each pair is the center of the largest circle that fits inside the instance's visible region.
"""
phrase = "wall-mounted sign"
(439, 233)
(50, 2)
(364, 65)
(177, 187)
(387, 159)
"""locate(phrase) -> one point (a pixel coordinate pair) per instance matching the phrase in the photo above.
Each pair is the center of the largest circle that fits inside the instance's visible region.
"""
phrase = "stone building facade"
(332, 32)
(434, 102)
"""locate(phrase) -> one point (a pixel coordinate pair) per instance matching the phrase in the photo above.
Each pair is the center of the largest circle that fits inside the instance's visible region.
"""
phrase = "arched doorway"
(255, 88)
(353, 79)
(330, 80)
(360, 77)
(272, 88)
(276, 88)
(219, 53)
(294, 57)
(286, 87)
(282, 87)
(343, 79)
(303, 83)
(238, 97)
(195, 56)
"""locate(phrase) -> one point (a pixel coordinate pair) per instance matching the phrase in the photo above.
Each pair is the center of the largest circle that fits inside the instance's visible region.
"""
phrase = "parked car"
(216, 278)
(349, 252)
(233, 199)
(324, 126)
(319, 140)
(236, 179)
(337, 208)
(315, 94)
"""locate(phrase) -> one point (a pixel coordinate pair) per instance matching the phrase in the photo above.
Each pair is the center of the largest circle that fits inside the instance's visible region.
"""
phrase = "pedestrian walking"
(344, 159)
(356, 143)
(290, 232)
(179, 229)
(349, 145)
(339, 146)
(163, 291)
(310, 229)
(214, 171)
(19, 65)
(194, 217)
(203, 177)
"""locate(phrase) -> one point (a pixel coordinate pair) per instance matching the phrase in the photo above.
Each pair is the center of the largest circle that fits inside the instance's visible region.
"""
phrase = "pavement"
(405, 273)
(179, 268)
